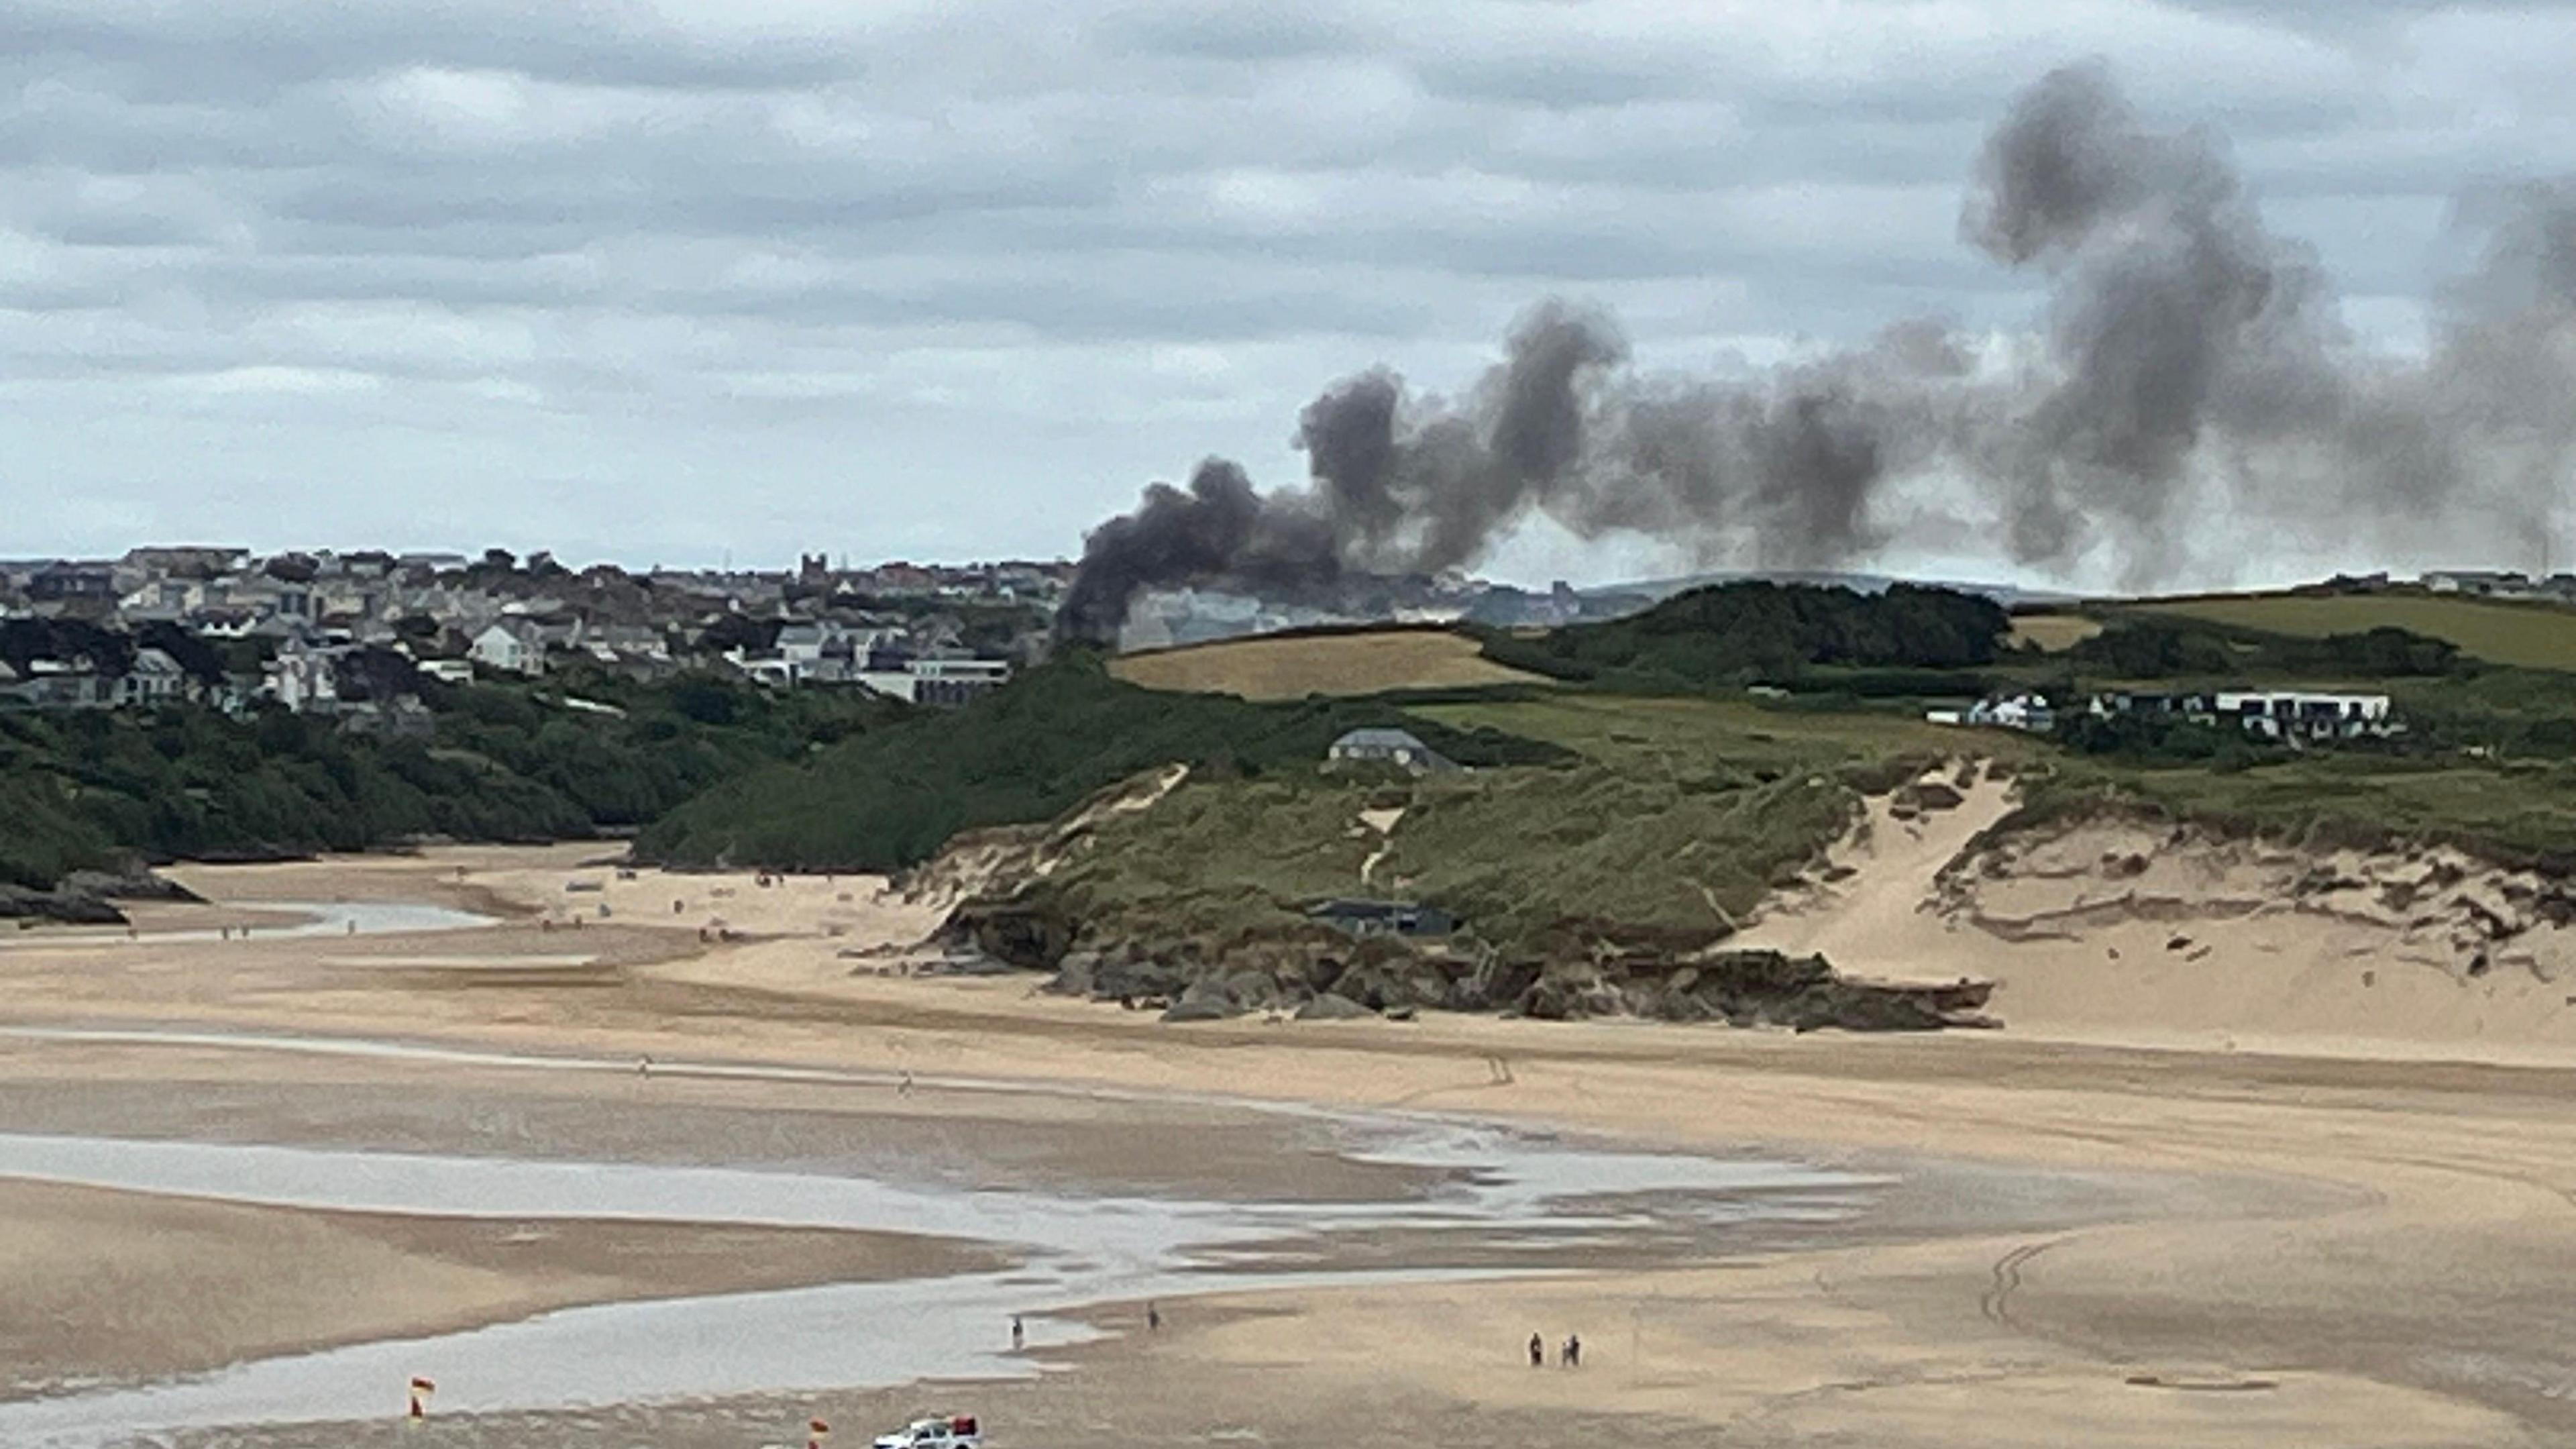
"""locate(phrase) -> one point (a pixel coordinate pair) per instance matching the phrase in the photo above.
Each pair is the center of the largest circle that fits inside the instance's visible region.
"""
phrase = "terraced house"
(2288, 715)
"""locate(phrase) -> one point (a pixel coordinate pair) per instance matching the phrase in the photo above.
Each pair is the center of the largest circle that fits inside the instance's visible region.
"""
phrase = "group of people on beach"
(1153, 1324)
(1568, 1355)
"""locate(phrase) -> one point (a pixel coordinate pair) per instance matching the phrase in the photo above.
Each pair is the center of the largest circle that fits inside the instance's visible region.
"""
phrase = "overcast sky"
(663, 280)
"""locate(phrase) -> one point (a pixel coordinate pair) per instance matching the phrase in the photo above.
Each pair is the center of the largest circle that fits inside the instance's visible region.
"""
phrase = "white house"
(2278, 714)
(153, 678)
(2302, 714)
(301, 678)
(512, 646)
(817, 651)
(805, 645)
(2477, 581)
(2029, 712)
(937, 681)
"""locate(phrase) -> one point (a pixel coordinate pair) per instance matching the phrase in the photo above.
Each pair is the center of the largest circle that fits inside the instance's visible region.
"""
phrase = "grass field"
(1676, 738)
(1295, 666)
(2534, 636)
(2053, 632)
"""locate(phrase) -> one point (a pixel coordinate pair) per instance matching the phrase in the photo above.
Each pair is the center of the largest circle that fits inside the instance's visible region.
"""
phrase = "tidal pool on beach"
(1483, 1200)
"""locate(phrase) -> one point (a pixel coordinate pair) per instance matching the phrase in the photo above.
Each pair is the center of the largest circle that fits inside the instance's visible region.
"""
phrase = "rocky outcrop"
(88, 897)
(1332, 1006)
(62, 905)
(1803, 993)
(1752, 988)
(1028, 933)
(1330, 978)
(135, 884)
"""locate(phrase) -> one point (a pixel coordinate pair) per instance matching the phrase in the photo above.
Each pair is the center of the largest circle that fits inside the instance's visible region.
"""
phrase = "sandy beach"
(2117, 1230)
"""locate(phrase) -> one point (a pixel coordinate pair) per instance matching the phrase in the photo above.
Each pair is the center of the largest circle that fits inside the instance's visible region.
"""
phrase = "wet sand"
(107, 1285)
(2364, 1252)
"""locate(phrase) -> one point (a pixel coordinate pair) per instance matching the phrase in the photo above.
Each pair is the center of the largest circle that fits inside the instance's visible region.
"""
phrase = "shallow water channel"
(1476, 1199)
(311, 918)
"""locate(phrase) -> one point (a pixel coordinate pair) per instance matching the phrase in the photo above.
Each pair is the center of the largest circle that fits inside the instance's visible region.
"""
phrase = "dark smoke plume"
(2192, 365)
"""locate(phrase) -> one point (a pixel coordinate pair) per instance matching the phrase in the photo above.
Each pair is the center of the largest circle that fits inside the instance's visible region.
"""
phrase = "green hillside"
(1679, 745)
(1024, 753)
(2530, 636)
(94, 788)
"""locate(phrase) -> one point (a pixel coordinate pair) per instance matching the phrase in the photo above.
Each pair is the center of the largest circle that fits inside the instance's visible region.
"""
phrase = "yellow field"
(2536, 636)
(1336, 664)
(2053, 632)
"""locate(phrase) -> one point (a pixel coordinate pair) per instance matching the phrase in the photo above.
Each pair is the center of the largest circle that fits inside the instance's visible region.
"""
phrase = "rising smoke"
(2191, 364)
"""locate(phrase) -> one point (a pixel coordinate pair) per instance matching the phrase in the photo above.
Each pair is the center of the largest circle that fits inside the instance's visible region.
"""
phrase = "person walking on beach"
(1573, 1350)
(1019, 1335)
(1153, 1317)
(1538, 1351)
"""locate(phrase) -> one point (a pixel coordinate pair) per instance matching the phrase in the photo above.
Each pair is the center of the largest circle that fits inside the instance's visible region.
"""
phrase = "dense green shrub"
(2175, 648)
(507, 762)
(1733, 633)
(1027, 752)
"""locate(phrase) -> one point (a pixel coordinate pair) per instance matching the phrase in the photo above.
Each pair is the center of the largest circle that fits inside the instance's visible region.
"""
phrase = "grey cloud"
(163, 52)
(1072, 187)
(1238, 32)
(2190, 355)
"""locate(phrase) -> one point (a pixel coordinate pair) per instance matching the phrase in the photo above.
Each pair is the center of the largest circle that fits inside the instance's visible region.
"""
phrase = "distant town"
(353, 634)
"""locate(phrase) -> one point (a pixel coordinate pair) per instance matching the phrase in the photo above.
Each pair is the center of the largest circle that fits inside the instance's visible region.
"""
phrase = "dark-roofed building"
(1383, 918)
(1400, 748)
(73, 583)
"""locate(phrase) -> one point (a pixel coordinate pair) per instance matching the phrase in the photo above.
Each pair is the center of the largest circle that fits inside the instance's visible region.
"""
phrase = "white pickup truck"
(951, 1431)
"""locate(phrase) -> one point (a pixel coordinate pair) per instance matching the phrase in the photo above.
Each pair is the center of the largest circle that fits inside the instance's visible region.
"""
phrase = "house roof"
(1381, 739)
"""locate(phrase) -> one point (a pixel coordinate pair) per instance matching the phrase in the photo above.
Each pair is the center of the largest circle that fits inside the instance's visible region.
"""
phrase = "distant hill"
(1656, 590)
(1755, 630)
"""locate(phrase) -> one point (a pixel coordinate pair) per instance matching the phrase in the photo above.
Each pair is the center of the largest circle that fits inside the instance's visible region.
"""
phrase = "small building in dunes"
(1401, 749)
(1383, 918)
